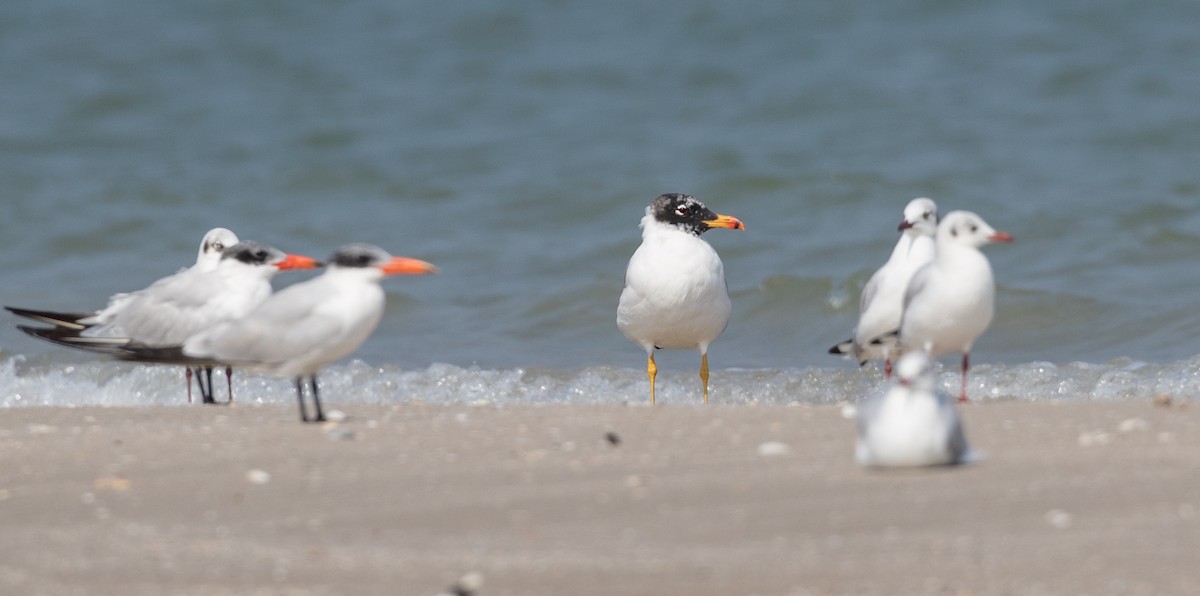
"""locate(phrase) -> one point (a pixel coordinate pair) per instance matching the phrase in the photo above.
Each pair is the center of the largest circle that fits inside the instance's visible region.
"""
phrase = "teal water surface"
(515, 144)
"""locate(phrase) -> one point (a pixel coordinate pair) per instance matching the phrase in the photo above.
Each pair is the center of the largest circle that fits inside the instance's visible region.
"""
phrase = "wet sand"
(1072, 498)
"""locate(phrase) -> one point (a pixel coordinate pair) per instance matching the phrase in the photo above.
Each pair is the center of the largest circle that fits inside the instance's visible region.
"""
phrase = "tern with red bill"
(950, 301)
(675, 295)
(174, 308)
(304, 326)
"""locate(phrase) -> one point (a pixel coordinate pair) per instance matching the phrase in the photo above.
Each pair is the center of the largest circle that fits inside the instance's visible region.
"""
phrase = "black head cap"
(683, 211)
(359, 255)
(253, 253)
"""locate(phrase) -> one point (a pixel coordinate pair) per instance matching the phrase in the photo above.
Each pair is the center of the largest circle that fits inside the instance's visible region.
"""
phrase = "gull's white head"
(920, 217)
(966, 228)
(915, 370)
(212, 246)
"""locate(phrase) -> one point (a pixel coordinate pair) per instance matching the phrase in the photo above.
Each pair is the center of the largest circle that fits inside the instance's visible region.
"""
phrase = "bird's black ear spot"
(954, 232)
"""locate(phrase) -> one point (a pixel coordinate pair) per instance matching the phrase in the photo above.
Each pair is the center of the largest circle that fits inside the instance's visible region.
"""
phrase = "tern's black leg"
(316, 399)
(300, 398)
(229, 381)
(207, 388)
(205, 391)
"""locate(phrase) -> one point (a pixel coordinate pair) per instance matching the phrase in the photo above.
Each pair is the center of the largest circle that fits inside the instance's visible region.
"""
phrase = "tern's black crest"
(253, 253)
(359, 255)
(682, 210)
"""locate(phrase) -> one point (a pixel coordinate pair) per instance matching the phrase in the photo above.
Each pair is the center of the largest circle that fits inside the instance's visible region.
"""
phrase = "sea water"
(516, 144)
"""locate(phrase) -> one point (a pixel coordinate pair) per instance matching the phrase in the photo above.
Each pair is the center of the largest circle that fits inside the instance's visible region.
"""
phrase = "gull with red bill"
(675, 295)
(950, 301)
(882, 300)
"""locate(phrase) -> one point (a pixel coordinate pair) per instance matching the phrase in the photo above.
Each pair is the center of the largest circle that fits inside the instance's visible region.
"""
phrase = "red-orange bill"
(298, 262)
(407, 266)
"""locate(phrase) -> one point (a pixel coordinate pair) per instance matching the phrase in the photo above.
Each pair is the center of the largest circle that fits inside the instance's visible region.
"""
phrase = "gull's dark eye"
(217, 246)
(974, 228)
(682, 210)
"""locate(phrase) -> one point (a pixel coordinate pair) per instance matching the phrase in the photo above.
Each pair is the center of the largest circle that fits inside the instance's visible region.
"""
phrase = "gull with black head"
(675, 295)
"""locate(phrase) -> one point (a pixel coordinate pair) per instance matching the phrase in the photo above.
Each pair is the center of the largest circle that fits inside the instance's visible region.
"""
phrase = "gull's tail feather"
(849, 350)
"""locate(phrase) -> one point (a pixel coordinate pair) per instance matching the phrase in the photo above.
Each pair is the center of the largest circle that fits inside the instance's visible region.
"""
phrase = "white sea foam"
(50, 381)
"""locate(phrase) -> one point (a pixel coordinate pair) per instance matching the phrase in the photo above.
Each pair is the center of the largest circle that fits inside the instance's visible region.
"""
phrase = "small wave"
(49, 381)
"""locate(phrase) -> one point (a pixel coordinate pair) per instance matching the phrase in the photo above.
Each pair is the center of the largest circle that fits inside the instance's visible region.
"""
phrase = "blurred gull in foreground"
(912, 423)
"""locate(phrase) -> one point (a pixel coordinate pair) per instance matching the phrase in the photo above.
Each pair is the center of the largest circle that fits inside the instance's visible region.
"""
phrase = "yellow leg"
(704, 374)
(651, 371)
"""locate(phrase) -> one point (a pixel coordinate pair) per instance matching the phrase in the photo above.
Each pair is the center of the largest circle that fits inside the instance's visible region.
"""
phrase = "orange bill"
(407, 266)
(1001, 237)
(725, 221)
(298, 262)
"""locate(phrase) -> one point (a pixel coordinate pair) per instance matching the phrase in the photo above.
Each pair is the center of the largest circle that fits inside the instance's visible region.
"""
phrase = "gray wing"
(869, 290)
(917, 284)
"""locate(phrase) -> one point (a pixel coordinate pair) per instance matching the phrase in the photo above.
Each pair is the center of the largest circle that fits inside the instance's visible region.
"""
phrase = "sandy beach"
(1072, 498)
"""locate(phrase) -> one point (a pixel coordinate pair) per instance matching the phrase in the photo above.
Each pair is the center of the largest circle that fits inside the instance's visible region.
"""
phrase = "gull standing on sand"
(304, 326)
(911, 424)
(175, 308)
(882, 300)
(675, 294)
(951, 300)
